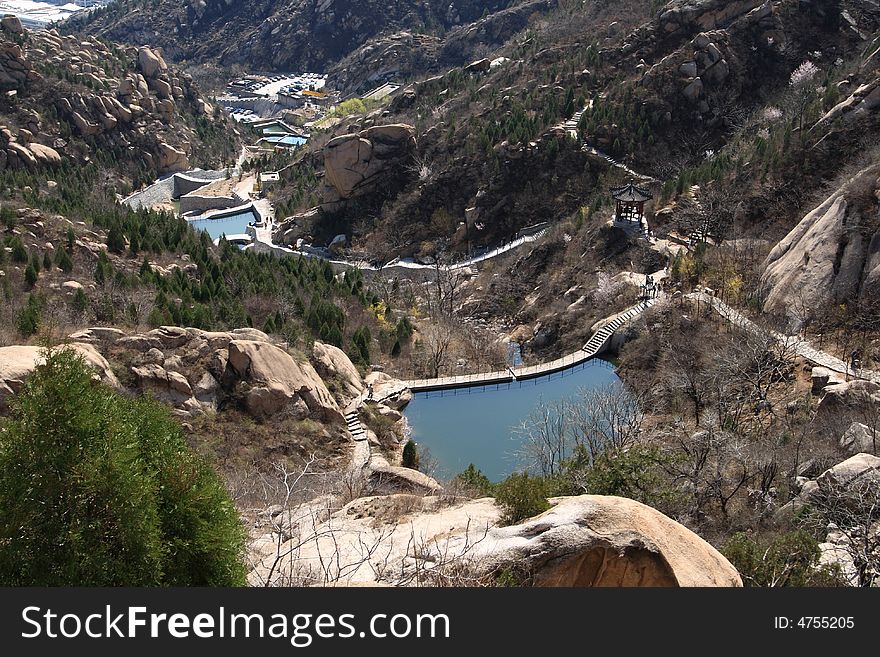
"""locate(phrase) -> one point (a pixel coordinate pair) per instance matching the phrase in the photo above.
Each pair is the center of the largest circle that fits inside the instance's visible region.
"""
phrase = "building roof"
(629, 193)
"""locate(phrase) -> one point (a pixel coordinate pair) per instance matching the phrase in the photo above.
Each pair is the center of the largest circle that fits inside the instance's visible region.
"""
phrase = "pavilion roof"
(631, 194)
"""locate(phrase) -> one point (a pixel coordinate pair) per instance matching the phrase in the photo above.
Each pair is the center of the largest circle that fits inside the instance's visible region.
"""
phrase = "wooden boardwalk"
(594, 346)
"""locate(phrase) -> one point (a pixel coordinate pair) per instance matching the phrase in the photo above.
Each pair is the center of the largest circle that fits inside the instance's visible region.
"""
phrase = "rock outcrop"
(17, 362)
(196, 371)
(848, 402)
(151, 63)
(273, 382)
(335, 366)
(701, 15)
(821, 377)
(581, 541)
(830, 256)
(860, 438)
(135, 110)
(855, 470)
(358, 163)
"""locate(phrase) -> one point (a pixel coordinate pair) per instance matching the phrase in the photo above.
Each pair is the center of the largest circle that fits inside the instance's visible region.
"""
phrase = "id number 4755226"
(814, 623)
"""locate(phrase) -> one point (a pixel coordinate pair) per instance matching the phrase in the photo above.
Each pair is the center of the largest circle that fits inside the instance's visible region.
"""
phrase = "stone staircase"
(353, 423)
(572, 124)
(600, 338)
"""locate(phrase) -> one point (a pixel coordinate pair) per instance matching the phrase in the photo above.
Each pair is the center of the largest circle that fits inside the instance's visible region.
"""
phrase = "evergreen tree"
(63, 260)
(115, 240)
(31, 275)
(79, 301)
(29, 318)
(19, 253)
(410, 456)
(97, 489)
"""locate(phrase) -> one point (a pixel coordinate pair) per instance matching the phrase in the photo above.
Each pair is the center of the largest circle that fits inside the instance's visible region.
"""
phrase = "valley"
(495, 267)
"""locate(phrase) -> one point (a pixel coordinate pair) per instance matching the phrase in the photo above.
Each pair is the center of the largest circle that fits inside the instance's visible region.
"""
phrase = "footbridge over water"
(594, 346)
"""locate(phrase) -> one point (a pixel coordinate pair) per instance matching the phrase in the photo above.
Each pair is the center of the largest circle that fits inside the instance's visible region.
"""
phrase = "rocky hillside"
(279, 35)
(69, 100)
(217, 382)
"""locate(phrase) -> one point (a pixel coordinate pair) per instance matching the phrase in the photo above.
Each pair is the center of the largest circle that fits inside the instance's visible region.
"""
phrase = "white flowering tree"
(803, 92)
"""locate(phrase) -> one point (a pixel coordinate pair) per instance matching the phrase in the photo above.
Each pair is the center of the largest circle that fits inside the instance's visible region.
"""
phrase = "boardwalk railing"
(590, 350)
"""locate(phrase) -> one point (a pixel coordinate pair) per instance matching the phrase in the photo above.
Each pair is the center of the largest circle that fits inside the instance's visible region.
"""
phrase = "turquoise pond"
(287, 140)
(232, 225)
(477, 425)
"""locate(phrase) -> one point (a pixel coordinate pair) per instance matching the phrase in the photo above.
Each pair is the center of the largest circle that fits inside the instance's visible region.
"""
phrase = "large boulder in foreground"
(582, 541)
(595, 540)
(275, 382)
(18, 361)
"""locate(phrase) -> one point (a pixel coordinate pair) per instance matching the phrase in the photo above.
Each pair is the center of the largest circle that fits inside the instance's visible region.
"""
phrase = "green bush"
(97, 489)
(636, 473)
(473, 480)
(410, 456)
(30, 317)
(786, 560)
(521, 496)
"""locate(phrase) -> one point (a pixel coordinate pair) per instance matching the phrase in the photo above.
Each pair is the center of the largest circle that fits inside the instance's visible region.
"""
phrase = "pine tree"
(31, 275)
(63, 260)
(410, 456)
(113, 481)
(79, 300)
(115, 240)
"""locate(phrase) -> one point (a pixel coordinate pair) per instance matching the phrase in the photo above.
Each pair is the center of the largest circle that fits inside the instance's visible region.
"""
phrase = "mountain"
(734, 114)
(69, 100)
(749, 130)
(274, 35)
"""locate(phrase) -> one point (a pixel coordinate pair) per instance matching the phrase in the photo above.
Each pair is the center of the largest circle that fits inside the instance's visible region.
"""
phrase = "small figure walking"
(856, 360)
(370, 392)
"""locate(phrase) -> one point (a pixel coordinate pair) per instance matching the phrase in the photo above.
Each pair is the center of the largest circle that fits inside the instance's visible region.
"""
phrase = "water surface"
(477, 425)
(232, 225)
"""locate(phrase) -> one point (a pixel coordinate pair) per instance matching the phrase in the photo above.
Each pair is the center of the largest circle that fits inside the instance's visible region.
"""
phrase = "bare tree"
(435, 340)
(607, 419)
(546, 437)
(596, 421)
(851, 510)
